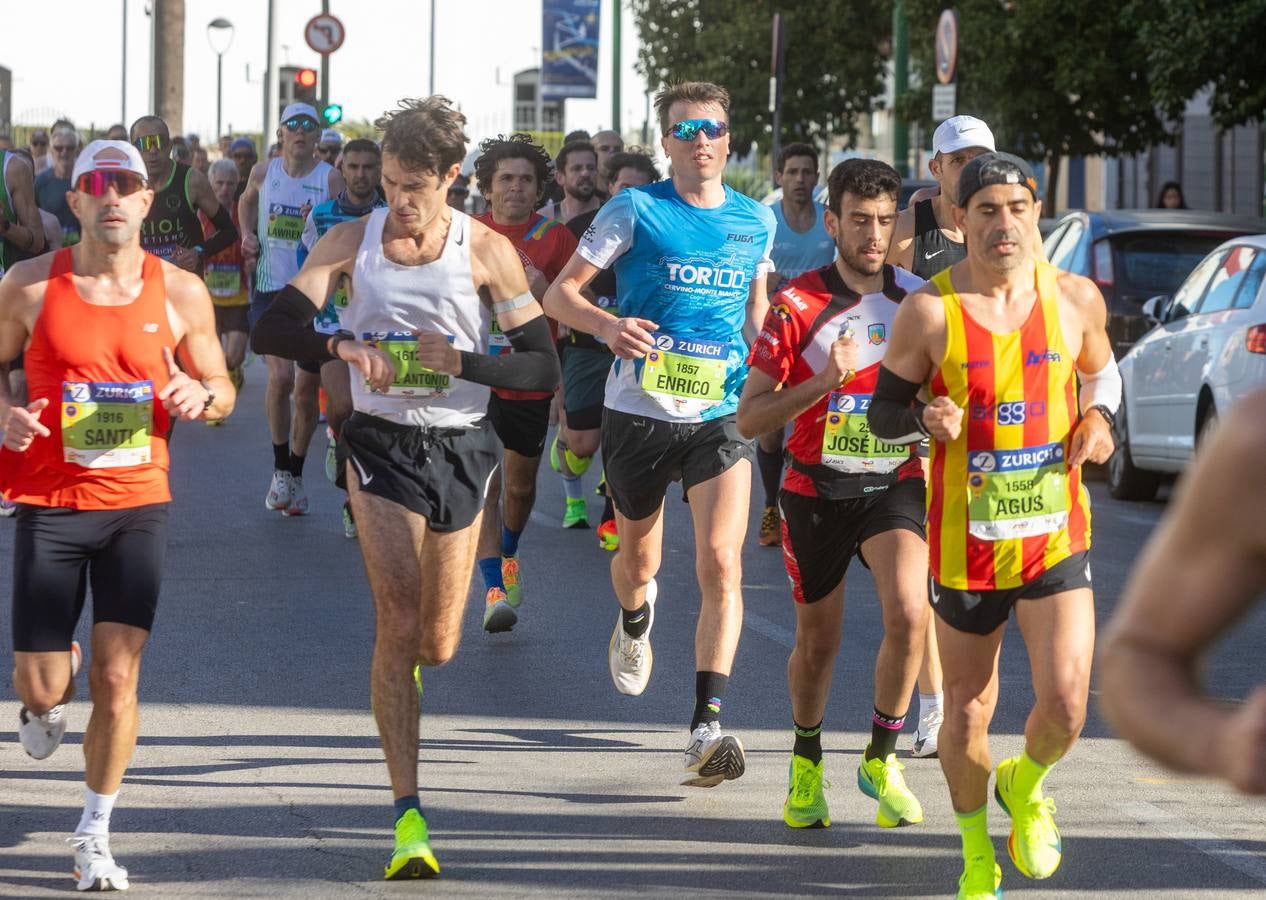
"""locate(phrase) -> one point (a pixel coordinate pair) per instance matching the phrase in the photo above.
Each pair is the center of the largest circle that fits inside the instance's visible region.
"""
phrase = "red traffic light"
(306, 78)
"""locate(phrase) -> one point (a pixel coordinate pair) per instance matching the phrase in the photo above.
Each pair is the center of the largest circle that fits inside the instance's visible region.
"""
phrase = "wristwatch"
(337, 338)
(210, 399)
(1107, 414)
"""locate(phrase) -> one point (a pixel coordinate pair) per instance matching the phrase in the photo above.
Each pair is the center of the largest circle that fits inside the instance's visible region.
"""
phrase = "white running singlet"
(284, 204)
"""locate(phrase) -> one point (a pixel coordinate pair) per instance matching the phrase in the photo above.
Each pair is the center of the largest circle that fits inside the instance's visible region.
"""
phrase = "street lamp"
(219, 36)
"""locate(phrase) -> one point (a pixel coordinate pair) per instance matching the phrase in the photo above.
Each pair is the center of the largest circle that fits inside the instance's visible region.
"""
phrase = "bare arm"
(764, 408)
(1092, 440)
(1201, 572)
(901, 250)
(757, 308)
(248, 209)
(628, 338)
(21, 296)
(198, 350)
(21, 183)
(203, 197)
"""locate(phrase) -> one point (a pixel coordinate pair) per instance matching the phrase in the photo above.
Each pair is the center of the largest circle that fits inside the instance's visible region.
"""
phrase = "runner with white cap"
(330, 146)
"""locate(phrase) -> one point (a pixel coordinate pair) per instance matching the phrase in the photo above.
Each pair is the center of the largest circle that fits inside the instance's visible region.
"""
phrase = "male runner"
(330, 145)
(801, 244)
(278, 197)
(606, 144)
(690, 257)
(53, 183)
(1200, 573)
(106, 324)
(426, 281)
(172, 229)
(576, 171)
(226, 278)
(21, 230)
(362, 170)
(1000, 340)
(587, 363)
(510, 173)
(242, 152)
(846, 494)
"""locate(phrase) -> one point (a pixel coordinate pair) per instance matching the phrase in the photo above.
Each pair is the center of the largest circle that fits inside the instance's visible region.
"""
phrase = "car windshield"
(1153, 263)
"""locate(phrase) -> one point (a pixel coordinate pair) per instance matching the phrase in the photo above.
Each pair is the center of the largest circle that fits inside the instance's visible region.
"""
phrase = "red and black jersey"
(831, 451)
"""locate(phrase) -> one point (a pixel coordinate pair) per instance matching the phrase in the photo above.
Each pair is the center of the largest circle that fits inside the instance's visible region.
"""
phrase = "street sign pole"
(615, 68)
(900, 83)
(776, 69)
(325, 64)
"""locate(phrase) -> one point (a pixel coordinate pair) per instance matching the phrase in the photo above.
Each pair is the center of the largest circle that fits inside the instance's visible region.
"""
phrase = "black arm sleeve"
(894, 413)
(225, 234)
(285, 329)
(533, 366)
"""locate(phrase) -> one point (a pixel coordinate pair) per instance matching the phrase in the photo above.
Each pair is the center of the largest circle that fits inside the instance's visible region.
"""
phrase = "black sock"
(770, 465)
(709, 692)
(637, 621)
(295, 464)
(808, 742)
(608, 509)
(884, 730)
(281, 457)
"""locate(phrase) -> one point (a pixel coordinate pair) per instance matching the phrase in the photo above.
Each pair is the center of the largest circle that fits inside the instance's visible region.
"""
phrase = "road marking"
(1224, 851)
(771, 630)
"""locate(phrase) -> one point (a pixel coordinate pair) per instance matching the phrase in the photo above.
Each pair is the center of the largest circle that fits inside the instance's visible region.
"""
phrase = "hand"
(23, 424)
(538, 284)
(377, 368)
(629, 338)
(943, 419)
(250, 244)
(437, 354)
(1092, 441)
(1244, 761)
(185, 257)
(182, 397)
(841, 360)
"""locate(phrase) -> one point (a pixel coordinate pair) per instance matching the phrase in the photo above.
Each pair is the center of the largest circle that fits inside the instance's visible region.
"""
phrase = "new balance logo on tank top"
(688, 270)
(1003, 505)
(284, 204)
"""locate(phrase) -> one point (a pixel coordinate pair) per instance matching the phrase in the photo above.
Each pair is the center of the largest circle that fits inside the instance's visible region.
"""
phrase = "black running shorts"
(232, 318)
(820, 537)
(642, 456)
(439, 473)
(58, 553)
(520, 424)
(981, 612)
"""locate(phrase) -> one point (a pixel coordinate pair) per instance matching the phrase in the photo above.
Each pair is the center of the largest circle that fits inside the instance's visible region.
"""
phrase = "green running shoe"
(417, 679)
(805, 806)
(412, 857)
(1034, 846)
(555, 461)
(577, 514)
(881, 779)
(512, 580)
(981, 879)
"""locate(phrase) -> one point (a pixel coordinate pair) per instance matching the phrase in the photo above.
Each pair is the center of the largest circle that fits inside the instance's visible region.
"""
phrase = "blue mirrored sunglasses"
(687, 129)
(301, 123)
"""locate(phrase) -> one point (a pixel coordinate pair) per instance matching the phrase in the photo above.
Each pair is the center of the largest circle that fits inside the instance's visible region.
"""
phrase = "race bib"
(224, 279)
(285, 223)
(107, 424)
(685, 376)
(1017, 493)
(847, 443)
(412, 378)
(498, 343)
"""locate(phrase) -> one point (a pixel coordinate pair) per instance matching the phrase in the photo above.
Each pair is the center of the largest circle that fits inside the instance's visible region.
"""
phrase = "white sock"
(929, 703)
(97, 809)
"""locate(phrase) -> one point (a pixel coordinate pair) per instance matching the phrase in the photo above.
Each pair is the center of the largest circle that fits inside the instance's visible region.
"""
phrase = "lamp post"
(220, 37)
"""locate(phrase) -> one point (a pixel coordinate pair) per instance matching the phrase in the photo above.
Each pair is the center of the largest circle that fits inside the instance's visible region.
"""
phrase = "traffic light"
(306, 85)
(333, 114)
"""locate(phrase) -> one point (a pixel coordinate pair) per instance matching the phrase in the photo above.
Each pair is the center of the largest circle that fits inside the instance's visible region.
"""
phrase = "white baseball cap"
(961, 132)
(110, 155)
(330, 136)
(299, 109)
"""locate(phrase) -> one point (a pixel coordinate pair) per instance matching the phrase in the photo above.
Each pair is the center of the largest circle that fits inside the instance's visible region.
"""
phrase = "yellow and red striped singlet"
(1003, 506)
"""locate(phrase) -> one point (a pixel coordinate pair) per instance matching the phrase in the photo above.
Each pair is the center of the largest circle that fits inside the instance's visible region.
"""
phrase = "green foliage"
(833, 49)
(748, 182)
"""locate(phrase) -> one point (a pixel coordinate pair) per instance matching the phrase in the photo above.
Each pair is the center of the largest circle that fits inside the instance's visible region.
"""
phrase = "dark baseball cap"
(994, 168)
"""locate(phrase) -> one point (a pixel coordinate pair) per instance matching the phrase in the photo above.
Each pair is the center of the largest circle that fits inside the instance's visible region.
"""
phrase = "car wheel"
(1206, 422)
(1125, 480)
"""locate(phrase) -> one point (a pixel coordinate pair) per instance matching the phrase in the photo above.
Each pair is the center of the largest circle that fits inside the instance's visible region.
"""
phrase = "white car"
(1206, 351)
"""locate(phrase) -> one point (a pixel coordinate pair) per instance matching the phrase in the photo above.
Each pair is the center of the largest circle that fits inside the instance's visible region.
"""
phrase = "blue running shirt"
(796, 253)
(688, 270)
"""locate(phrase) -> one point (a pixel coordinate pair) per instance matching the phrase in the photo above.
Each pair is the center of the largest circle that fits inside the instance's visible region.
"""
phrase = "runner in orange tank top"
(103, 324)
(996, 340)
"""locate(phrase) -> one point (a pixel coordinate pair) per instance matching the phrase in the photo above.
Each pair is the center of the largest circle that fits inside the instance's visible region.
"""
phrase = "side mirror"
(1154, 308)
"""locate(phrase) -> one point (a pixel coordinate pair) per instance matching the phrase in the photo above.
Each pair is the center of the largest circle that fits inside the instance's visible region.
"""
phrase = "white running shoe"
(95, 867)
(926, 734)
(41, 735)
(630, 658)
(712, 756)
(7, 509)
(298, 505)
(279, 491)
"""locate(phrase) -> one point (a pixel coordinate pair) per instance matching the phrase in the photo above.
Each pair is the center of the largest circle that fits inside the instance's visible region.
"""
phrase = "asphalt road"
(259, 774)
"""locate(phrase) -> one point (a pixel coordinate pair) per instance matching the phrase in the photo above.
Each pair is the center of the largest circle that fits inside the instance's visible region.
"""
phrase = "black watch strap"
(339, 336)
(1107, 414)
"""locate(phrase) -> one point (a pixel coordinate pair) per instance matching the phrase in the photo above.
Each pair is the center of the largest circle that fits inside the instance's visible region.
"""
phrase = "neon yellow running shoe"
(412, 857)
(417, 679)
(805, 806)
(981, 879)
(881, 779)
(511, 579)
(1034, 846)
(555, 461)
(577, 514)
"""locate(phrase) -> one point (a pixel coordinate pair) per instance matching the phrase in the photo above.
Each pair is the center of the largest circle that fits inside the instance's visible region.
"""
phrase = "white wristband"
(513, 303)
(1102, 388)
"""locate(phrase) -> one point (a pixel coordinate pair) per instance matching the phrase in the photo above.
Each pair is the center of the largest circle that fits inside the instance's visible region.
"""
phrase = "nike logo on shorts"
(360, 471)
(936, 597)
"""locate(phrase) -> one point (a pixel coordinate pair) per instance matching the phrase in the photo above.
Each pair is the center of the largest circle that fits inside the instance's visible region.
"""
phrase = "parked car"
(1207, 349)
(1134, 254)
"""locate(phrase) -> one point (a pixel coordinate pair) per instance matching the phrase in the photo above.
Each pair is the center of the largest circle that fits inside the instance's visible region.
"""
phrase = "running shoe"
(298, 505)
(981, 879)
(712, 756)
(95, 868)
(499, 615)
(7, 508)
(925, 736)
(349, 522)
(41, 735)
(630, 658)
(881, 779)
(412, 857)
(417, 680)
(279, 490)
(770, 527)
(805, 806)
(576, 514)
(213, 423)
(608, 536)
(1035, 846)
(331, 455)
(512, 580)
(238, 377)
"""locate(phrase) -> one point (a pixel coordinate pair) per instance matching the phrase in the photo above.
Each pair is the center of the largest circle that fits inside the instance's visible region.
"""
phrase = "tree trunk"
(1053, 159)
(169, 63)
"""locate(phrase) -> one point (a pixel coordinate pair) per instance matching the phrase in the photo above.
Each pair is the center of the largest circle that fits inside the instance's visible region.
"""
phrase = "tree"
(1193, 44)
(834, 60)
(1053, 78)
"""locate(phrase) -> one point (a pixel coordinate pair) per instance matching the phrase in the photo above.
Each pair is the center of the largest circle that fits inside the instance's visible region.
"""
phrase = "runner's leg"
(970, 662)
(1059, 632)
(113, 673)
